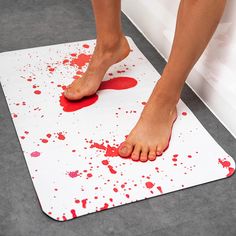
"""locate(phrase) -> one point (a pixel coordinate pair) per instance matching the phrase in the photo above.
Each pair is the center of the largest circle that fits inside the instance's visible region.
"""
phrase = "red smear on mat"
(111, 169)
(118, 83)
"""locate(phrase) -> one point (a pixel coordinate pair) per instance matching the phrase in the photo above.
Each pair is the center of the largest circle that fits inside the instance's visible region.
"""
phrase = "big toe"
(125, 149)
(72, 94)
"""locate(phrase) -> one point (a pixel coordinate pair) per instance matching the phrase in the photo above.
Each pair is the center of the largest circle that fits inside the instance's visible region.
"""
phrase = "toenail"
(124, 149)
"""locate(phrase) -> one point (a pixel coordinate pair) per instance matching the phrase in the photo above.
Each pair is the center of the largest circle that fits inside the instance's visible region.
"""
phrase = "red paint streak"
(227, 165)
(61, 136)
(37, 92)
(73, 174)
(111, 169)
(104, 207)
(35, 154)
(73, 213)
(149, 184)
(184, 113)
(118, 83)
(98, 146)
(64, 218)
(84, 202)
(160, 189)
(81, 60)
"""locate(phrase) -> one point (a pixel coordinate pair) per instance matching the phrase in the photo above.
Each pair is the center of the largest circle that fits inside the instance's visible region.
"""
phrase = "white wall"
(214, 76)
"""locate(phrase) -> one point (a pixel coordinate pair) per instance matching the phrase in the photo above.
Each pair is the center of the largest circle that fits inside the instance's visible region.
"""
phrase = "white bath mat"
(71, 148)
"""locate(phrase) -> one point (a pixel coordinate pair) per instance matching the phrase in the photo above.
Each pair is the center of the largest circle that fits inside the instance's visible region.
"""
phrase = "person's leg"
(111, 47)
(196, 23)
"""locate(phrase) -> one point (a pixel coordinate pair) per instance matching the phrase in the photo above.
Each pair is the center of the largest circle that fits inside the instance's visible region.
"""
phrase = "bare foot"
(150, 136)
(103, 57)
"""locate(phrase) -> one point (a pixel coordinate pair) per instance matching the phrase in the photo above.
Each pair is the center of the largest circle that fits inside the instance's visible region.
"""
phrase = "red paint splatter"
(89, 175)
(64, 218)
(73, 174)
(80, 60)
(149, 184)
(227, 165)
(84, 202)
(35, 154)
(73, 213)
(104, 207)
(118, 83)
(184, 113)
(61, 136)
(37, 92)
(77, 201)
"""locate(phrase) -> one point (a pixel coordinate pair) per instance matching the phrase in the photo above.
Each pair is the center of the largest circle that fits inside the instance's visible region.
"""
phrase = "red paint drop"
(104, 207)
(84, 202)
(73, 213)
(73, 174)
(64, 218)
(118, 83)
(35, 154)
(184, 113)
(115, 190)
(61, 136)
(77, 201)
(44, 140)
(85, 45)
(160, 189)
(105, 162)
(149, 184)
(37, 92)
(89, 175)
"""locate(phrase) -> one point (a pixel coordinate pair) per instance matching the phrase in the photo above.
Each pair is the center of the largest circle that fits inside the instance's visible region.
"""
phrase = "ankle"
(109, 44)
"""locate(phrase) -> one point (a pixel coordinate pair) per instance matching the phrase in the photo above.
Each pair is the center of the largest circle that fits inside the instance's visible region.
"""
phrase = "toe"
(159, 150)
(144, 154)
(152, 154)
(125, 149)
(136, 153)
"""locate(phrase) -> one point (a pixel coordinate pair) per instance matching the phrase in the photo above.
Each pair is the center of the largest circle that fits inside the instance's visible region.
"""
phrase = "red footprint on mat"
(118, 83)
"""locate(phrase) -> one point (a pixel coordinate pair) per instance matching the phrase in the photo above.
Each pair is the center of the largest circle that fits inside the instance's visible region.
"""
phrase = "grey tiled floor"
(208, 209)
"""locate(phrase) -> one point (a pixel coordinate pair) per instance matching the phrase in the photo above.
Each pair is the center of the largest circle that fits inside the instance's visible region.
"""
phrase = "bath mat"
(71, 147)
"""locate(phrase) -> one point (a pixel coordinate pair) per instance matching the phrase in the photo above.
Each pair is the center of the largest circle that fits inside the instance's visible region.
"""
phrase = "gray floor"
(208, 209)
